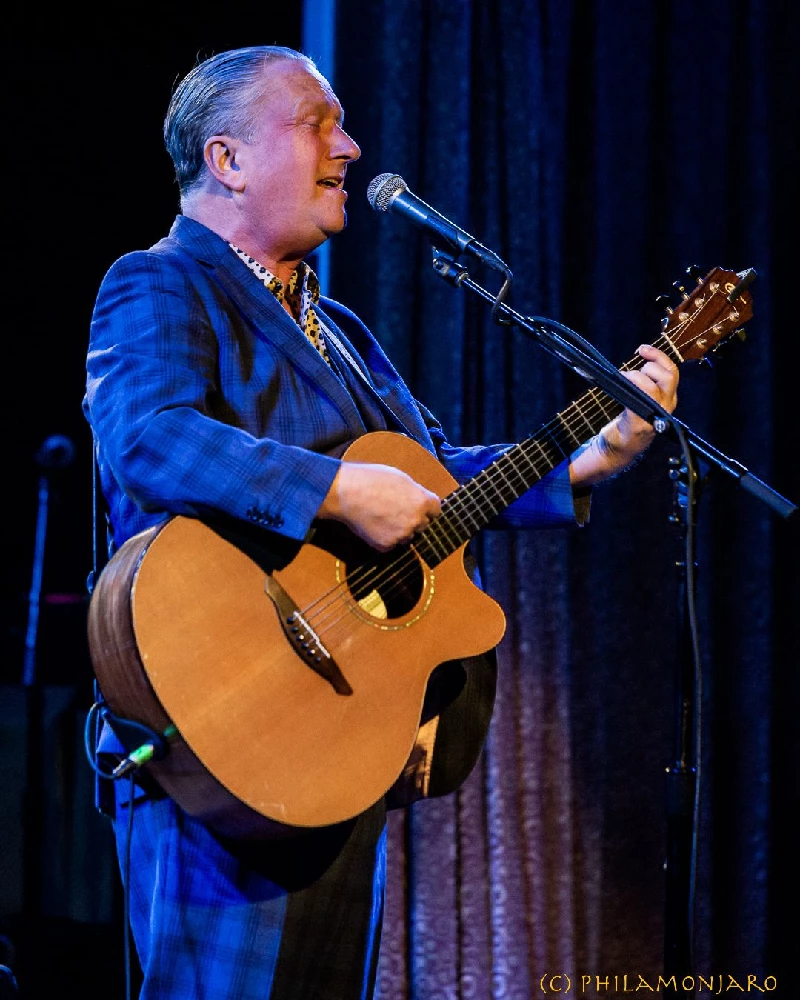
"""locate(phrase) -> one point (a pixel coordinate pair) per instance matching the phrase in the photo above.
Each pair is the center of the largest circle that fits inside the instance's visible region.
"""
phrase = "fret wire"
(465, 507)
(432, 536)
(497, 477)
(453, 523)
(501, 475)
(579, 410)
(557, 433)
(597, 397)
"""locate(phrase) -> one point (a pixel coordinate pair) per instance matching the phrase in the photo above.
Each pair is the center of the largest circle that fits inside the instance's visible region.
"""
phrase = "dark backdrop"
(600, 148)
(97, 183)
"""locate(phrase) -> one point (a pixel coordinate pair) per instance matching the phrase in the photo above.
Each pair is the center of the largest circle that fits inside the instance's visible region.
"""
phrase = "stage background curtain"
(600, 149)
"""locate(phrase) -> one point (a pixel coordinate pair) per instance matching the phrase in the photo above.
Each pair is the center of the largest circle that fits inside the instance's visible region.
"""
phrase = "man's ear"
(219, 153)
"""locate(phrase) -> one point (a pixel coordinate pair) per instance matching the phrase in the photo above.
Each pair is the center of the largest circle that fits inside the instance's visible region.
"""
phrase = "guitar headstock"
(715, 309)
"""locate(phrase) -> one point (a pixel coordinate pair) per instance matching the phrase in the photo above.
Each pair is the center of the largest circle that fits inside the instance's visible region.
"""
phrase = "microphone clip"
(447, 266)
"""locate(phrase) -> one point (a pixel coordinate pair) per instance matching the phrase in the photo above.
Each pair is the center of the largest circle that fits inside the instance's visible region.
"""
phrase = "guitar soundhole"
(388, 585)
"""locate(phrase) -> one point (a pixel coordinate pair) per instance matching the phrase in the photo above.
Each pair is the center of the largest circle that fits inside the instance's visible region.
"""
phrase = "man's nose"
(344, 146)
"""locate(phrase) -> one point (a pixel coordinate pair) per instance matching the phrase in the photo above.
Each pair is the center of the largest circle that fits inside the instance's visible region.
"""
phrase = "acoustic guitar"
(296, 693)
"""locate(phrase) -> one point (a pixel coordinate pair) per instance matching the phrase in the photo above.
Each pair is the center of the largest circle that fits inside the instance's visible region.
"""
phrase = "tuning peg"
(739, 334)
(748, 277)
(694, 272)
(663, 302)
(679, 287)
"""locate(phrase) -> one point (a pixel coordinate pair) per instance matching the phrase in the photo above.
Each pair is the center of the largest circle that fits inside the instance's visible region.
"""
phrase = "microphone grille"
(382, 189)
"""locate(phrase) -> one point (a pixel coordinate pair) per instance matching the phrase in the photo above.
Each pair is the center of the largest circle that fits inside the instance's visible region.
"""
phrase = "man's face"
(294, 198)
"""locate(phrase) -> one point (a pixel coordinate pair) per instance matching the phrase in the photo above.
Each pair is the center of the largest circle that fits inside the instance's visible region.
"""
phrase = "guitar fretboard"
(472, 506)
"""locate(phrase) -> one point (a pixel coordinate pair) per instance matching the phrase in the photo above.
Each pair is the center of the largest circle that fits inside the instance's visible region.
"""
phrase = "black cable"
(691, 612)
(126, 893)
(93, 720)
(90, 735)
(688, 758)
(575, 339)
(500, 298)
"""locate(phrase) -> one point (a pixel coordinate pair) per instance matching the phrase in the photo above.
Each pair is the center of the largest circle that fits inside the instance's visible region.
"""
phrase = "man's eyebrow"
(321, 106)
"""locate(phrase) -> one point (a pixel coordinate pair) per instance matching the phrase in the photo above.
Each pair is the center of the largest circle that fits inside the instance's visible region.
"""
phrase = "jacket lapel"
(262, 310)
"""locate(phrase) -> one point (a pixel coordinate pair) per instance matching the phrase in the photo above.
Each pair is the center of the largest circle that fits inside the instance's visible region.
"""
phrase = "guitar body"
(185, 628)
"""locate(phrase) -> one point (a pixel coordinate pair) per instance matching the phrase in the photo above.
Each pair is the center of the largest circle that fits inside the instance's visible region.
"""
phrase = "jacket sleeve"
(169, 440)
(549, 503)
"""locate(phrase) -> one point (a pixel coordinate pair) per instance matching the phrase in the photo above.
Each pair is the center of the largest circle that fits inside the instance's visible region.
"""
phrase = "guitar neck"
(468, 509)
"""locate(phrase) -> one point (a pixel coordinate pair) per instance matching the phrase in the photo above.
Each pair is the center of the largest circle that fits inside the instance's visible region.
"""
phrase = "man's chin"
(327, 228)
(338, 226)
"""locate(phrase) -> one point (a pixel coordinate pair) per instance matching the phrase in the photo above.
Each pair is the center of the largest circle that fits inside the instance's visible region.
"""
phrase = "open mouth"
(330, 182)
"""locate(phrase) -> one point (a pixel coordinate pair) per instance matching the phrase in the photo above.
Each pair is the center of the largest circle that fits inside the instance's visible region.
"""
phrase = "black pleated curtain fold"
(600, 149)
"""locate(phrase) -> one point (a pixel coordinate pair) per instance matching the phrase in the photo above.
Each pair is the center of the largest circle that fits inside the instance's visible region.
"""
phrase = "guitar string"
(399, 569)
(581, 408)
(455, 507)
(459, 506)
(443, 535)
(595, 397)
(397, 572)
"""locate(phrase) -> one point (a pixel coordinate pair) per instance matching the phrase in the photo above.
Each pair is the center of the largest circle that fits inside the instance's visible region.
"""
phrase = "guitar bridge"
(303, 639)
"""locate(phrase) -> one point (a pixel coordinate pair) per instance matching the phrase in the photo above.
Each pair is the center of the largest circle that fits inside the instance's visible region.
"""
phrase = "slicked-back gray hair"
(217, 97)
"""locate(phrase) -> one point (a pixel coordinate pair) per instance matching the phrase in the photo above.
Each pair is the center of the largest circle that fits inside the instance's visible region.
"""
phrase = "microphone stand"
(681, 801)
(681, 777)
(56, 453)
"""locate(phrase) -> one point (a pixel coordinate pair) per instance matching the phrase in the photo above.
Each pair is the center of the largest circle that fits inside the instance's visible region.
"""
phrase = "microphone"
(57, 452)
(389, 192)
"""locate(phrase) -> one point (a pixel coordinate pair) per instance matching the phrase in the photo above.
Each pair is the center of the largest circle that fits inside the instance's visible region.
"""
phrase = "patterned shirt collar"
(300, 293)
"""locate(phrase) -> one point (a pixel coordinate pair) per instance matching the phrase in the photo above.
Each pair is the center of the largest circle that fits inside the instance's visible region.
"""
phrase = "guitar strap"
(330, 335)
(332, 338)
